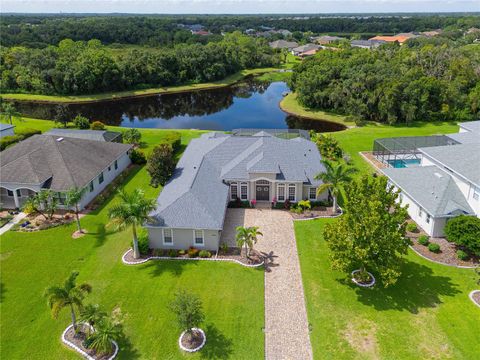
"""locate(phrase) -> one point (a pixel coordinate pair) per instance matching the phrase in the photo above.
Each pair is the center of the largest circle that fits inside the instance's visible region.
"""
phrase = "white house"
(59, 164)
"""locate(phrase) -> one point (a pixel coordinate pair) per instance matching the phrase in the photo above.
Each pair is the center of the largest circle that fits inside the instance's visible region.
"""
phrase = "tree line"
(79, 67)
(394, 84)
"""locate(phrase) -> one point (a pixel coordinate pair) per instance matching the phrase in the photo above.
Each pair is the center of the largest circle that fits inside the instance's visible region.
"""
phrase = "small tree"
(106, 331)
(92, 314)
(72, 199)
(44, 203)
(69, 295)
(81, 122)
(371, 233)
(247, 237)
(9, 112)
(328, 147)
(160, 164)
(188, 309)
(132, 136)
(336, 175)
(97, 125)
(464, 230)
(62, 115)
(132, 210)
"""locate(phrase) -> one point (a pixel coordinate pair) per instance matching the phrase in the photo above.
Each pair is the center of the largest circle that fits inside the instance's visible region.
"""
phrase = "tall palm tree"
(105, 332)
(132, 211)
(335, 176)
(69, 295)
(247, 237)
(10, 112)
(72, 199)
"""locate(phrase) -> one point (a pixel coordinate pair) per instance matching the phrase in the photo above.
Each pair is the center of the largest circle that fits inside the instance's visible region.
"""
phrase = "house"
(97, 135)
(6, 130)
(282, 44)
(218, 168)
(304, 48)
(284, 32)
(59, 164)
(201, 33)
(307, 53)
(367, 44)
(444, 183)
(325, 40)
(432, 33)
(400, 38)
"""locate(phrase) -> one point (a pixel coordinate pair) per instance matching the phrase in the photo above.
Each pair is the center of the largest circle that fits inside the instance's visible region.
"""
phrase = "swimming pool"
(403, 163)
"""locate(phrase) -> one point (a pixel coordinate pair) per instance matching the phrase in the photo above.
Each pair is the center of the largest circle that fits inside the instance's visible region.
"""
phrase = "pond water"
(250, 104)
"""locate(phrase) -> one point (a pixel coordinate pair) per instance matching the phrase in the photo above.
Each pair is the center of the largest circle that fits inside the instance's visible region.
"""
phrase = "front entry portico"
(262, 190)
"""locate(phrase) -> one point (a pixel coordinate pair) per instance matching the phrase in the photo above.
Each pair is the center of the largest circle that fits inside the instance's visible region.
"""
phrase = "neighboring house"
(307, 53)
(6, 130)
(401, 38)
(97, 135)
(445, 180)
(282, 44)
(284, 32)
(432, 33)
(59, 164)
(325, 40)
(367, 44)
(304, 48)
(218, 168)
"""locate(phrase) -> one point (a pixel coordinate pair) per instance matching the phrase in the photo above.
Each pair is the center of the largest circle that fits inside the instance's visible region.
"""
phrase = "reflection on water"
(251, 104)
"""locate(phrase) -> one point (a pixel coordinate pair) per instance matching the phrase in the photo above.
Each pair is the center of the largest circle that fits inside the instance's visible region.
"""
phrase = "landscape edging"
(83, 353)
(471, 296)
(198, 347)
(441, 263)
(182, 258)
(322, 216)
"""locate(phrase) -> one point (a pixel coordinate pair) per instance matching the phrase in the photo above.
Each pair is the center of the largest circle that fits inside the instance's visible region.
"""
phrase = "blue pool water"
(403, 163)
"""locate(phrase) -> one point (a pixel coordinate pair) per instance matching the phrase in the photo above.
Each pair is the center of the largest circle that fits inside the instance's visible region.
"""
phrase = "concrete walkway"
(286, 324)
(16, 219)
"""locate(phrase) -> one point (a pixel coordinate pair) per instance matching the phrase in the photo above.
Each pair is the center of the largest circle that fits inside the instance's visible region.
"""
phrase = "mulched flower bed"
(255, 257)
(78, 339)
(476, 297)
(315, 212)
(192, 340)
(38, 222)
(447, 254)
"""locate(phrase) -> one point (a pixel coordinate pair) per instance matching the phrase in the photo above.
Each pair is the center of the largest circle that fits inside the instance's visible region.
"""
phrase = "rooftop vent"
(60, 139)
(438, 175)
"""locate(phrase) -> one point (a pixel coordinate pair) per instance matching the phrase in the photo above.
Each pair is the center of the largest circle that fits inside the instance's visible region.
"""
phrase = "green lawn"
(232, 295)
(426, 315)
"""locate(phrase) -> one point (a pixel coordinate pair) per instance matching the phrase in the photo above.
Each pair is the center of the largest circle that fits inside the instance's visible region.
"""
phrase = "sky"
(237, 6)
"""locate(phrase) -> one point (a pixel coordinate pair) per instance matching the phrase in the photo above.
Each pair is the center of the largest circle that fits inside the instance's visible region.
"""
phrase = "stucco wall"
(183, 239)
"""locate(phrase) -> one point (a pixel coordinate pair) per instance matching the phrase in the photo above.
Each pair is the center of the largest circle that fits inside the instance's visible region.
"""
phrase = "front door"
(263, 192)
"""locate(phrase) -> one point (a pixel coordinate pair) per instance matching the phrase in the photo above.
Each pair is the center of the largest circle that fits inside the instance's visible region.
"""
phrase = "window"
(109, 168)
(291, 192)
(420, 212)
(198, 237)
(281, 192)
(19, 193)
(100, 178)
(115, 164)
(233, 191)
(168, 236)
(428, 219)
(90, 186)
(61, 197)
(10, 193)
(243, 191)
(476, 193)
(312, 193)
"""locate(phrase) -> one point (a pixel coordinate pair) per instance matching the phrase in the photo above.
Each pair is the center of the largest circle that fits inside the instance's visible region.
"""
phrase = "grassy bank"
(290, 105)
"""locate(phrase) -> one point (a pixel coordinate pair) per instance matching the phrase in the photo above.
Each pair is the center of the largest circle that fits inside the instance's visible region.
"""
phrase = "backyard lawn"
(426, 315)
(232, 295)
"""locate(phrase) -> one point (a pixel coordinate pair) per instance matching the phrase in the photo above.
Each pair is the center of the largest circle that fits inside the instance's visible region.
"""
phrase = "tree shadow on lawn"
(218, 346)
(416, 288)
(100, 235)
(126, 349)
(2, 292)
(175, 267)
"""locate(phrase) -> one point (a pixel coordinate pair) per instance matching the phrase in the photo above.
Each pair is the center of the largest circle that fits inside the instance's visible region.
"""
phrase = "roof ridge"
(242, 156)
(56, 144)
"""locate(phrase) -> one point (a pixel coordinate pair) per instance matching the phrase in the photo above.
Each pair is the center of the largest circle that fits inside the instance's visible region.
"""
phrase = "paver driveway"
(286, 324)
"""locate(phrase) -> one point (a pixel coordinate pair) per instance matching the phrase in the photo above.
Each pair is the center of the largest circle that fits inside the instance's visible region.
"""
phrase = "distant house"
(218, 168)
(6, 130)
(284, 32)
(431, 33)
(400, 38)
(367, 44)
(304, 48)
(325, 40)
(307, 53)
(282, 44)
(97, 135)
(59, 164)
(201, 32)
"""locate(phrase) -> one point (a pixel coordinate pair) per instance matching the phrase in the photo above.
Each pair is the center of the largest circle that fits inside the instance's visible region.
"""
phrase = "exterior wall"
(108, 177)
(306, 191)
(7, 132)
(183, 239)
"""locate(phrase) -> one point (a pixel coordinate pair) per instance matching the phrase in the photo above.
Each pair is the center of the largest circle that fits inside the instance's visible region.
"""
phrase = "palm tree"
(10, 112)
(92, 314)
(105, 332)
(69, 295)
(132, 211)
(247, 237)
(72, 199)
(335, 176)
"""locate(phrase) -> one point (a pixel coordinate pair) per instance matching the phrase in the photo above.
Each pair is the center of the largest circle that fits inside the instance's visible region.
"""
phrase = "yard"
(426, 315)
(32, 261)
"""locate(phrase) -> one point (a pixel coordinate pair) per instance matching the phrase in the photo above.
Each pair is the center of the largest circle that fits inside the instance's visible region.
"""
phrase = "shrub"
(132, 136)
(205, 254)
(287, 204)
(412, 227)
(304, 205)
(423, 240)
(160, 164)
(19, 136)
(174, 139)
(464, 231)
(434, 247)
(462, 255)
(192, 252)
(181, 252)
(138, 157)
(81, 122)
(97, 125)
(172, 253)
(143, 245)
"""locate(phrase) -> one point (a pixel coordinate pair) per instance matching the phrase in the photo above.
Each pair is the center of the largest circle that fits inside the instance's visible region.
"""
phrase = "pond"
(250, 104)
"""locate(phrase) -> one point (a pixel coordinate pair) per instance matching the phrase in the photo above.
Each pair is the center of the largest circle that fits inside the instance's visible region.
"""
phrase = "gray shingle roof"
(468, 137)
(69, 163)
(5, 126)
(97, 135)
(464, 159)
(196, 196)
(306, 47)
(433, 189)
(471, 126)
(282, 44)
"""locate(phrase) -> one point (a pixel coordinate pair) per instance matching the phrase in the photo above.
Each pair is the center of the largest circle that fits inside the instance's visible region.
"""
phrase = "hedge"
(19, 136)
(174, 139)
